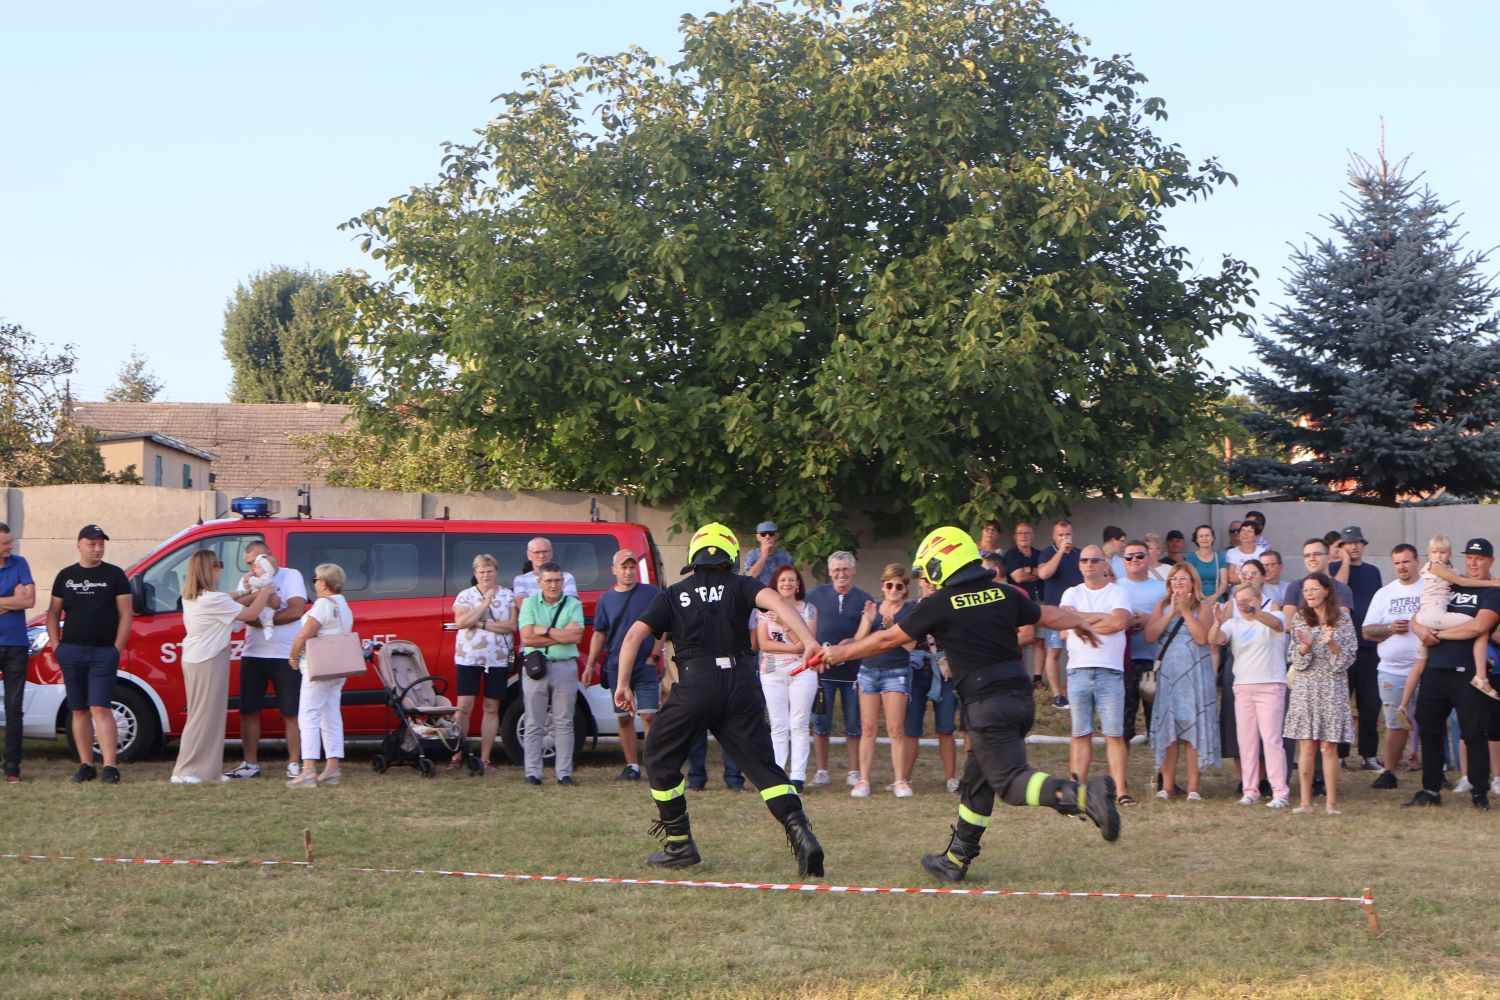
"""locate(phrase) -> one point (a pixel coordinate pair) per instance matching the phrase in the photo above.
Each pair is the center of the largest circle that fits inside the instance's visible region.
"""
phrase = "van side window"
(164, 579)
(378, 565)
(587, 557)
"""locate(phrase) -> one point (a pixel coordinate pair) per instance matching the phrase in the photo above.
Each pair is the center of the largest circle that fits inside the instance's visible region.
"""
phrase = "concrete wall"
(46, 520)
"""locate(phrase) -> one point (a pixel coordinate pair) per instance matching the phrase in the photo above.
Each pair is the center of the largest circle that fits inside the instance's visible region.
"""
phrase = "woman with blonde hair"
(885, 682)
(1185, 710)
(486, 616)
(208, 616)
(320, 714)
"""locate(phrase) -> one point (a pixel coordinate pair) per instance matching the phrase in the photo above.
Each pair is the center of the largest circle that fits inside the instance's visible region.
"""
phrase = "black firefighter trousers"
(730, 704)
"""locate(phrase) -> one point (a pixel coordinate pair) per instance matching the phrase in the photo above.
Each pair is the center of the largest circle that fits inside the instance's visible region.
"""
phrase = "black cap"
(1479, 547)
(1174, 533)
(92, 531)
(1352, 534)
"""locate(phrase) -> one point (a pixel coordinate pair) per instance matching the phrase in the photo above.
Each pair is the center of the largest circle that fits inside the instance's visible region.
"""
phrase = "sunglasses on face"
(1133, 556)
(895, 585)
(1090, 559)
(766, 534)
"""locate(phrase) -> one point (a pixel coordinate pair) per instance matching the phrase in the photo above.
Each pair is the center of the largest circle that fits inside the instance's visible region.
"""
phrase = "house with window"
(159, 460)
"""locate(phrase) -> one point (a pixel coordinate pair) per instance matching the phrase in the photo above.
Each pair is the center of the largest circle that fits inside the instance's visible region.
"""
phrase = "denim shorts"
(885, 680)
(847, 693)
(646, 684)
(1098, 689)
(88, 674)
(1391, 686)
(944, 706)
(1052, 637)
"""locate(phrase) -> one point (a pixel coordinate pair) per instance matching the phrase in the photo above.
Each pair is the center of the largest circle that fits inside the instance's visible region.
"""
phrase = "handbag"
(1148, 679)
(331, 657)
(535, 661)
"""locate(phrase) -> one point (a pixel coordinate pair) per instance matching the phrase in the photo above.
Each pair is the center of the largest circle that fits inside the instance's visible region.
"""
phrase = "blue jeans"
(847, 691)
(697, 775)
(1101, 689)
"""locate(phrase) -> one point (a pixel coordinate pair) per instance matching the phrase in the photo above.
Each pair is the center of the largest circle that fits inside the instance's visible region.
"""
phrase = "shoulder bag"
(536, 660)
(330, 657)
(1148, 679)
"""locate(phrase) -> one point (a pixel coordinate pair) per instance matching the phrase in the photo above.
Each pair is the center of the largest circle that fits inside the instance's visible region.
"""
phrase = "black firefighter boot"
(952, 864)
(677, 849)
(809, 852)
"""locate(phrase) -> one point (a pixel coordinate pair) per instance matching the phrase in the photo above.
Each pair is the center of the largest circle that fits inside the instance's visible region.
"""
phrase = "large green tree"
(1382, 371)
(279, 340)
(914, 249)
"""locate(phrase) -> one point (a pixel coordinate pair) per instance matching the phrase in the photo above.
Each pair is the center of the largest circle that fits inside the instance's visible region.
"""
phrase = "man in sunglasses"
(1142, 590)
(1096, 671)
(765, 560)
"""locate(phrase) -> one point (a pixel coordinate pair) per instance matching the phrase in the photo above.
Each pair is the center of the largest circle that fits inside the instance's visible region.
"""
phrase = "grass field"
(81, 928)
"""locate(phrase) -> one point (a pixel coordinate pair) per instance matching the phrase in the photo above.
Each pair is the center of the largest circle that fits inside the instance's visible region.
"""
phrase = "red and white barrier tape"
(1367, 900)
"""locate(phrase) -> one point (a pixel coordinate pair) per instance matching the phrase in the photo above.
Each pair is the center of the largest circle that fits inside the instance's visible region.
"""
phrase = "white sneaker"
(1463, 786)
(953, 784)
(293, 769)
(1277, 803)
(1495, 785)
(1163, 795)
(1249, 799)
(861, 790)
(189, 779)
(902, 790)
(852, 779)
(820, 779)
(245, 770)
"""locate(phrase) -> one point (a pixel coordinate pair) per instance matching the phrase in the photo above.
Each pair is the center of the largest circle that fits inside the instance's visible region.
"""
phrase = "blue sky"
(155, 155)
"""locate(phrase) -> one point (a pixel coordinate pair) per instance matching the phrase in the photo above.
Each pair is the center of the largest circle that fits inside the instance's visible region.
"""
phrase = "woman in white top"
(486, 618)
(1256, 632)
(208, 616)
(319, 714)
(789, 698)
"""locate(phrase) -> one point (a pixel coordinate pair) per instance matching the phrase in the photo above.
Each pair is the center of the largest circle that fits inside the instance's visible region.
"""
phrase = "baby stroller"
(425, 727)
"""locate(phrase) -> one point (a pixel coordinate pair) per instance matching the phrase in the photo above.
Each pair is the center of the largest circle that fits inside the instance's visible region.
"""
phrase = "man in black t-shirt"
(718, 690)
(976, 620)
(88, 624)
(1021, 564)
(1447, 681)
(1057, 568)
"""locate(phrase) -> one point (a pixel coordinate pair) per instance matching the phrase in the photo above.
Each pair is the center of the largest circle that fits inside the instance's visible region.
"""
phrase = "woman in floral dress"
(1318, 718)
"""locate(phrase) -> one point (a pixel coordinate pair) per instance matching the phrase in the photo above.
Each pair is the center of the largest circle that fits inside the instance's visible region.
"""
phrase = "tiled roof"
(163, 440)
(249, 440)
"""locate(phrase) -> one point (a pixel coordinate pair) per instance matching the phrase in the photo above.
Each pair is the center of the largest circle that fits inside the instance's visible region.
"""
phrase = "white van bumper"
(40, 705)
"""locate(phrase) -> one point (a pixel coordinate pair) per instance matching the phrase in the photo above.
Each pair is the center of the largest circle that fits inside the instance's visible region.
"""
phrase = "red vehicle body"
(403, 576)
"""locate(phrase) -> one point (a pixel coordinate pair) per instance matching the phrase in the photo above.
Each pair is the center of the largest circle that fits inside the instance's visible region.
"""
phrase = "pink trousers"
(1259, 711)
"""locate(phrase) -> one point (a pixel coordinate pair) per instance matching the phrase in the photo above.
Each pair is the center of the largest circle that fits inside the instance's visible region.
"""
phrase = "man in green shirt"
(551, 623)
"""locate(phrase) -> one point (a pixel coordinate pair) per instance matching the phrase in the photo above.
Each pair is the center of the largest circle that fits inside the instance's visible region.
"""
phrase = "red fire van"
(402, 578)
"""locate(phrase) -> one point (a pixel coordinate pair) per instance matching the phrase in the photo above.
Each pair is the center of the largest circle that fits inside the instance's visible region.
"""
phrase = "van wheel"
(135, 719)
(513, 727)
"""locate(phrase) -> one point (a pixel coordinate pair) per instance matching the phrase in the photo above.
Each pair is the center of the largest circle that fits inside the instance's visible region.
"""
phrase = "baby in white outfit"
(262, 574)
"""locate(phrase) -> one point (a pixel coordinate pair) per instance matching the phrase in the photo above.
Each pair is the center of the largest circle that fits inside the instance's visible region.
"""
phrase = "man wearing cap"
(1364, 674)
(1447, 681)
(88, 624)
(616, 611)
(17, 596)
(976, 620)
(767, 558)
(708, 616)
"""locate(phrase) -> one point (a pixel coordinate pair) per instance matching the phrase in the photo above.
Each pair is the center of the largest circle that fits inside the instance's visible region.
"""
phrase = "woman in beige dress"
(208, 616)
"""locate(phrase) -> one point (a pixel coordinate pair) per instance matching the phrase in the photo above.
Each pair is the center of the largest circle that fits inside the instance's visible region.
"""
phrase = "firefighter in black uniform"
(718, 689)
(976, 620)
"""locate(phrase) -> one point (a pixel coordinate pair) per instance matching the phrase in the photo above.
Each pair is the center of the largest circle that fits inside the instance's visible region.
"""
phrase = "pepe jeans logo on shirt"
(86, 587)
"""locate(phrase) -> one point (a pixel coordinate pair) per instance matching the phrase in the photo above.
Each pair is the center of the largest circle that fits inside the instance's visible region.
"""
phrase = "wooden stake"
(1370, 915)
(307, 847)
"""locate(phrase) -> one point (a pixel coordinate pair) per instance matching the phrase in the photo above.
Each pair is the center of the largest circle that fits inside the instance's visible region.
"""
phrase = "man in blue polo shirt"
(17, 596)
(840, 606)
(1447, 681)
(616, 611)
(766, 558)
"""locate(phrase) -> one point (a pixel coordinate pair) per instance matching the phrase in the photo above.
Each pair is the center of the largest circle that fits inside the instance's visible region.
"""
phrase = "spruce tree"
(1381, 377)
